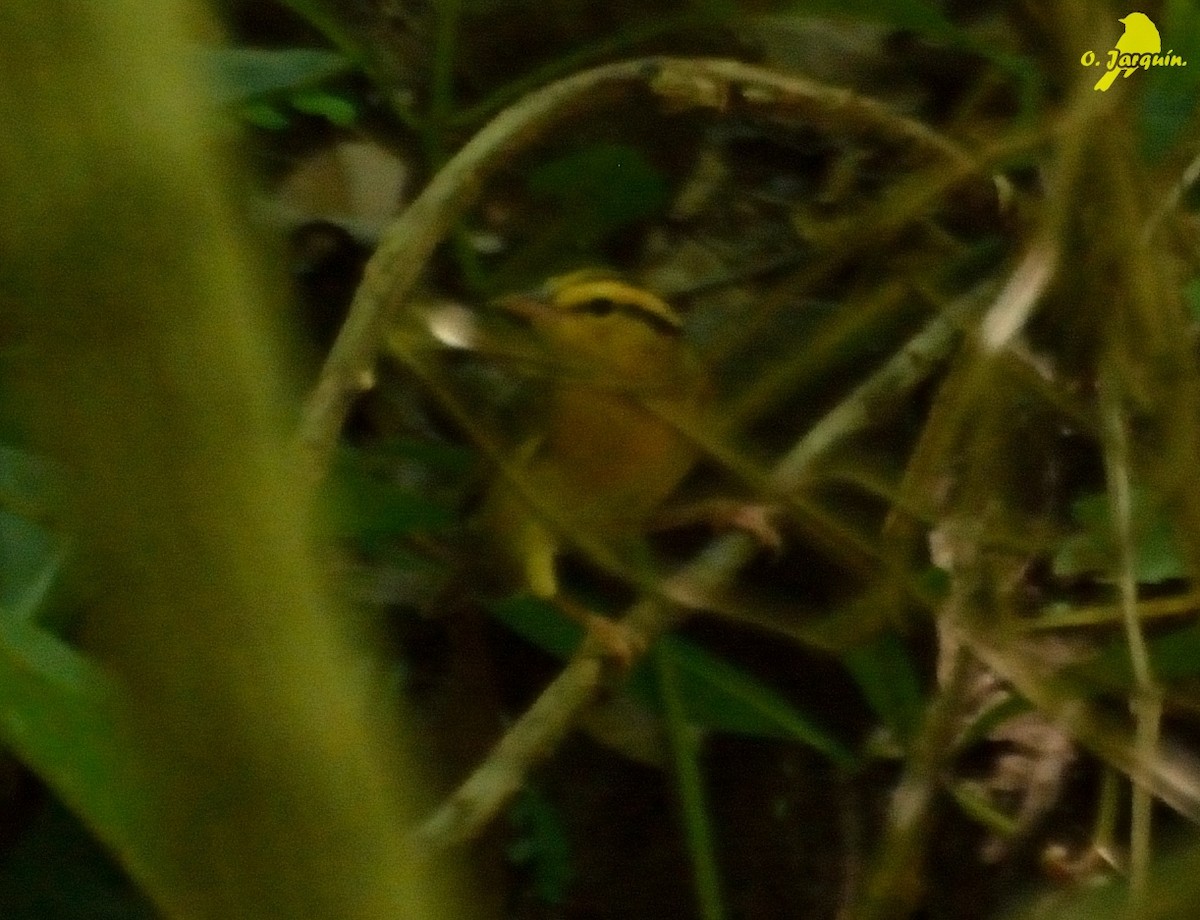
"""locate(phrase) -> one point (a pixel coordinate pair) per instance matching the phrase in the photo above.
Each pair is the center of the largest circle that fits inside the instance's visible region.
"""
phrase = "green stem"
(689, 784)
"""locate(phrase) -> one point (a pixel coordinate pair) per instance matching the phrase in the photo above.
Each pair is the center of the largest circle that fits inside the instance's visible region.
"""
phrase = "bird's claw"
(758, 521)
(616, 642)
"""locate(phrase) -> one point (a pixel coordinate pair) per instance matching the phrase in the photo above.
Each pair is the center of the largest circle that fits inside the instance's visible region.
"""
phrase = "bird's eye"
(597, 306)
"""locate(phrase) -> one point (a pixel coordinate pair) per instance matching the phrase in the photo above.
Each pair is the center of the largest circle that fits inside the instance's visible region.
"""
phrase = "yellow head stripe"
(571, 291)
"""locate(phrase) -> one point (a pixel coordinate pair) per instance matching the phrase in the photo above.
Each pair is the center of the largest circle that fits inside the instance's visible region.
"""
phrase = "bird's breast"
(612, 456)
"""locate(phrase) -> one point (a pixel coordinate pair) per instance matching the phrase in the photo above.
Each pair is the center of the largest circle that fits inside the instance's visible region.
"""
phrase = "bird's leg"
(756, 519)
(611, 640)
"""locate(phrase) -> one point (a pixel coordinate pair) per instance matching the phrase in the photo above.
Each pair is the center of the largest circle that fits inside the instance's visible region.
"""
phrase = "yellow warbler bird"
(605, 461)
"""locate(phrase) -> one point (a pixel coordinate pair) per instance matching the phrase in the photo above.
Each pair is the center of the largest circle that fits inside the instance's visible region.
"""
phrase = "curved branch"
(729, 87)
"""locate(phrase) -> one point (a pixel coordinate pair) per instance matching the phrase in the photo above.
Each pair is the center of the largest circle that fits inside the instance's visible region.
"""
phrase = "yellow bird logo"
(1140, 37)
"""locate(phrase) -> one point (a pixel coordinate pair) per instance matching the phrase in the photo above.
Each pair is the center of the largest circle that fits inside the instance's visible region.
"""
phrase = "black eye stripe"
(597, 306)
(603, 306)
(654, 321)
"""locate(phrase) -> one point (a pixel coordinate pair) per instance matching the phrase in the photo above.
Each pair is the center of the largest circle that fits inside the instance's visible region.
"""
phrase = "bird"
(1140, 37)
(603, 460)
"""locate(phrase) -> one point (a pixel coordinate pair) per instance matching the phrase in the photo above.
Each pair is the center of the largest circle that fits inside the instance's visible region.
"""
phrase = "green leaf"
(684, 743)
(59, 718)
(31, 558)
(373, 506)
(977, 806)
(720, 697)
(335, 109)
(1169, 102)
(56, 869)
(263, 115)
(541, 844)
(539, 622)
(439, 457)
(29, 562)
(923, 18)
(990, 718)
(888, 680)
(1092, 552)
(599, 189)
(1191, 298)
(242, 75)
(27, 482)
(1173, 657)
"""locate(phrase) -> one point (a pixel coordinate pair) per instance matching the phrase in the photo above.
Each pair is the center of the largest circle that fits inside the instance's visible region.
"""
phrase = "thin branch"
(1051, 618)
(729, 87)
(1020, 296)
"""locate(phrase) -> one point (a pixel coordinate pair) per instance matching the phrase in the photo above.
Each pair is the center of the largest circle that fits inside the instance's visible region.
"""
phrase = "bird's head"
(597, 319)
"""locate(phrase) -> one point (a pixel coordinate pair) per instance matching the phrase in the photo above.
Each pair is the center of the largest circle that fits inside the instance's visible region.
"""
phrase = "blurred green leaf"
(31, 557)
(934, 582)
(1091, 551)
(1191, 298)
(373, 506)
(976, 805)
(990, 718)
(541, 844)
(1169, 102)
(540, 623)
(28, 557)
(264, 115)
(59, 718)
(684, 743)
(334, 109)
(56, 869)
(719, 696)
(243, 75)
(438, 457)
(1173, 657)
(888, 680)
(924, 18)
(28, 483)
(599, 189)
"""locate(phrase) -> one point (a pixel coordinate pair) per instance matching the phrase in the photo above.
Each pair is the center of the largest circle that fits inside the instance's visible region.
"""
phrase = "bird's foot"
(608, 639)
(755, 519)
(613, 641)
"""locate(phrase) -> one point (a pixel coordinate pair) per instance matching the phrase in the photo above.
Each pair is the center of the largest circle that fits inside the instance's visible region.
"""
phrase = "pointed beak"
(524, 307)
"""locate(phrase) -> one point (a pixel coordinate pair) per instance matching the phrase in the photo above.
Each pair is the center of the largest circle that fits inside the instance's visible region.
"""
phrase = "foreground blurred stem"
(267, 784)
(1147, 699)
